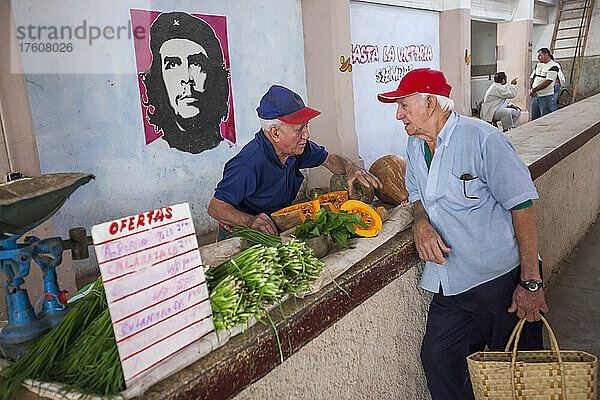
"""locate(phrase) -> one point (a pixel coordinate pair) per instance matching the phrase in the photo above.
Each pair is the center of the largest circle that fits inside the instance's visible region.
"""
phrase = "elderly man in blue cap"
(265, 175)
(474, 225)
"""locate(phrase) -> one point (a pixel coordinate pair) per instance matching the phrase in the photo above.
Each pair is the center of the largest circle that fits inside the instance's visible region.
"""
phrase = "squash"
(332, 201)
(390, 170)
(382, 212)
(368, 215)
(361, 192)
(291, 216)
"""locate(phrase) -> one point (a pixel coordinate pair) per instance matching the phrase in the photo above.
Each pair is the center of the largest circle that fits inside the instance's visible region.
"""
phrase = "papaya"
(367, 214)
(363, 193)
(294, 215)
(333, 200)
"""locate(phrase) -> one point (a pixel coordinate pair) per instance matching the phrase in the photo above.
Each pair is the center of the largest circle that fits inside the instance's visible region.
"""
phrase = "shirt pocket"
(465, 189)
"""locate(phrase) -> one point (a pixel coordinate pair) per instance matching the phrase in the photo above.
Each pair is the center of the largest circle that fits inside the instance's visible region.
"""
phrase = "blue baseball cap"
(281, 103)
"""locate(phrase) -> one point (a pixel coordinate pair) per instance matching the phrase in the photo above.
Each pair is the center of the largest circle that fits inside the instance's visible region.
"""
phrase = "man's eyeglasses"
(464, 178)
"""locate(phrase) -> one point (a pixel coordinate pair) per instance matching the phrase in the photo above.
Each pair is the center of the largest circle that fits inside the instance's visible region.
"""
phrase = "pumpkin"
(332, 201)
(367, 214)
(382, 212)
(391, 170)
(291, 216)
(361, 192)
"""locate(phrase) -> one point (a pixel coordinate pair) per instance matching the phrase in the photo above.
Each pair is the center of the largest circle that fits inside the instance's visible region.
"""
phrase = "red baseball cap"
(421, 80)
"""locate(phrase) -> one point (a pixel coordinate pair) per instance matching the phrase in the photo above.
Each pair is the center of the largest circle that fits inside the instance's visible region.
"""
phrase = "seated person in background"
(496, 108)
(265, 175)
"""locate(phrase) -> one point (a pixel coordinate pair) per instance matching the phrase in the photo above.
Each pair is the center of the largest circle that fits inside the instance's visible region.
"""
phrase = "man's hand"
(263, 223)
(513, 82)
(338, 164)
(363, 176)
(429, 244)
(532, 93)
(528, 304)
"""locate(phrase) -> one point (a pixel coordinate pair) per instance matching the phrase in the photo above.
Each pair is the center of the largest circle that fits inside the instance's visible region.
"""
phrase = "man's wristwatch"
(531, 285)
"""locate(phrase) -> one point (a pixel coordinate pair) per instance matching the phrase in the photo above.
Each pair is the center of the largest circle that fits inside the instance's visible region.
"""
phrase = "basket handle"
(516, 335)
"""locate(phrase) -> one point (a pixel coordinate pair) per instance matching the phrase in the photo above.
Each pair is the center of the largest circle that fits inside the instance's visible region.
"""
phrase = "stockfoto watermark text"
(51, 38)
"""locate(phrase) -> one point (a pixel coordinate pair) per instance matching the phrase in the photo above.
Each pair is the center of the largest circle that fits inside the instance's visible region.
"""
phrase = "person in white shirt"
(558, 83)
(541, 83)
(495, 106)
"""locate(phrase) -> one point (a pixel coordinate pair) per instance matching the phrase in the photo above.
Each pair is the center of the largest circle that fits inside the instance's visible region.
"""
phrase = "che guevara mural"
(183, 76)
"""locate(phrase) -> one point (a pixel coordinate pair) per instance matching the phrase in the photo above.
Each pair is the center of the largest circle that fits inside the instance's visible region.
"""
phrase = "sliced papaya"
(367, 214)
(333, 200)
(296, 214)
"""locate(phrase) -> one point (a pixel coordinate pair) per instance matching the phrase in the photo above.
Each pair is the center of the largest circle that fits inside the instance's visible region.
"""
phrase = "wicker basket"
(543, 375)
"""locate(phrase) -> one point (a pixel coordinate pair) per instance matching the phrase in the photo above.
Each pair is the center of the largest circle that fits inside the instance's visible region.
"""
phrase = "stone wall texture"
(371, 353)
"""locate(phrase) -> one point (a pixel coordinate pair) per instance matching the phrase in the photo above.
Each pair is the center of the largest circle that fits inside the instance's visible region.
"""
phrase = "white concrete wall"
(479, 85)
(384, 27)
(371, 353)
(569, 203)
(542, 34)
(483, 43)
(493, 10)
(593, 42)
(87, 115)
(436, 5)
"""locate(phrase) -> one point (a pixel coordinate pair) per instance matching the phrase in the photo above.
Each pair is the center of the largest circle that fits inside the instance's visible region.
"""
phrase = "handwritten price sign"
(155, 286)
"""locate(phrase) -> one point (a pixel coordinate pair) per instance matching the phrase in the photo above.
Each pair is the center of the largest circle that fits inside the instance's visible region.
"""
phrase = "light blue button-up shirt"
(479, 231)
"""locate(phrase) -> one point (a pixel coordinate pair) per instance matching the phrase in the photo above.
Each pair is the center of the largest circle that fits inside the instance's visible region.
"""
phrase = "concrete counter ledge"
(543, 143)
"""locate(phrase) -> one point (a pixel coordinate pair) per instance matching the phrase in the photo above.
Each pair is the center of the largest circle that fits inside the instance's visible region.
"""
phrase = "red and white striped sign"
(155, 287)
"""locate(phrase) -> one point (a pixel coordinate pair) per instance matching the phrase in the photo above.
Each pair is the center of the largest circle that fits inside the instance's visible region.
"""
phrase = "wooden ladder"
(570, 36)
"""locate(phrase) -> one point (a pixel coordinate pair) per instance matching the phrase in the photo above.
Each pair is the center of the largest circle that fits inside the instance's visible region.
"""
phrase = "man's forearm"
(228, 214)
(419, 213)
(525, 226)
(542, 85)
(338, 164)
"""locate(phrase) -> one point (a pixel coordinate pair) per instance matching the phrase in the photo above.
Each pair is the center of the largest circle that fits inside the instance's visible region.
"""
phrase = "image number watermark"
(45, 47)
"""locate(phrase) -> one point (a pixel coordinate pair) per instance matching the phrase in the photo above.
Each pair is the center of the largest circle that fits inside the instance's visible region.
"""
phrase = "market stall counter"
(349, 277)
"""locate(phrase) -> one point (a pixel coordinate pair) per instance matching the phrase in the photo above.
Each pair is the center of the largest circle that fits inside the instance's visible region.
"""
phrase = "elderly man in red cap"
(265, 175)
(474, 225)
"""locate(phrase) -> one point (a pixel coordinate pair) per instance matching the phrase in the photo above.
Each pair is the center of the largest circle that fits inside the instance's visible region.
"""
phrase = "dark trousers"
(460, 325)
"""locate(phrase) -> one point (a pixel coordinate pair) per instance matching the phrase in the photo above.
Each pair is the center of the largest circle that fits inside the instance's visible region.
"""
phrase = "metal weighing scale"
(24, 204)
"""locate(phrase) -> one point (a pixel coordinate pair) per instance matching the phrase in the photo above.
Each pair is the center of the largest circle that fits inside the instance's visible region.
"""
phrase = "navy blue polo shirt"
(255, 181)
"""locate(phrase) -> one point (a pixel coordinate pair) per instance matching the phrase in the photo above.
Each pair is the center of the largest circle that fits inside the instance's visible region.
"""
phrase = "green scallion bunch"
(299, 265)
(224, 301)
(244, 286)
(48, 359)
(255, 237)
(92, 364)
(251, 281)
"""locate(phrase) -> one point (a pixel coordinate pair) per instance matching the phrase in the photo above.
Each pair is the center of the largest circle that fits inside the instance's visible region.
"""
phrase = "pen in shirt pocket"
(464, 178)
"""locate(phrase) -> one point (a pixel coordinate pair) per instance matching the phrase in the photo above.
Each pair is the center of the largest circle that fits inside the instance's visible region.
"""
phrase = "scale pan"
(27, 202)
